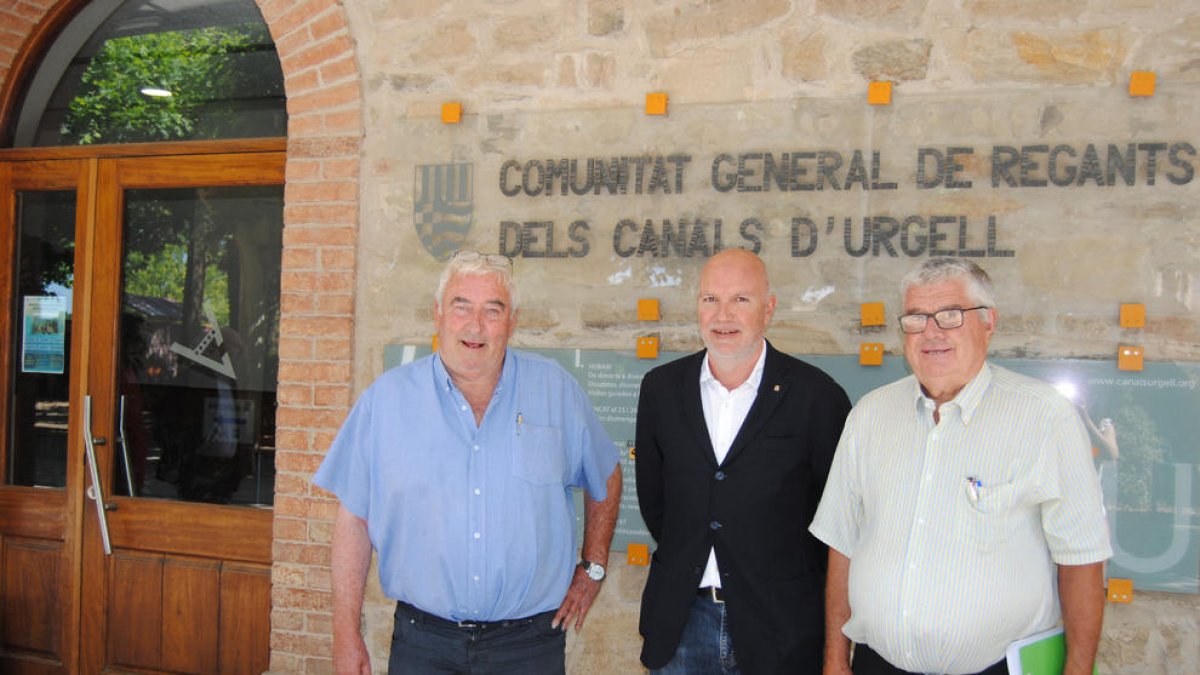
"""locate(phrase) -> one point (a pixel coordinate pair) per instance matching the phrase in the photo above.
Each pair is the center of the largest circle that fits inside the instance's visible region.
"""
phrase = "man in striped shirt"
(962, 511)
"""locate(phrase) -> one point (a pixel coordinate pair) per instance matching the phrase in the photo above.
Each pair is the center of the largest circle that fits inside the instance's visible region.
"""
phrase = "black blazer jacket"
(754, 509)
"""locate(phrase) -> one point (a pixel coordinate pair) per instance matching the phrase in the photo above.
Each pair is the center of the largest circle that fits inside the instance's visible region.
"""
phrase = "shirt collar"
(967, 399)
(442, 376)
(752, 382)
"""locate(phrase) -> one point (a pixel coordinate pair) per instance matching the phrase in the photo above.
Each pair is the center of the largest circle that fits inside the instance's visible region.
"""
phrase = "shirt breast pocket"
(983, 521)
(540, 457)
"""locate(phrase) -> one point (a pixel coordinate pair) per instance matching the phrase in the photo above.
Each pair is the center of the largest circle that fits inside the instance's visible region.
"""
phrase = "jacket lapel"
(771, 391)
(693, 407)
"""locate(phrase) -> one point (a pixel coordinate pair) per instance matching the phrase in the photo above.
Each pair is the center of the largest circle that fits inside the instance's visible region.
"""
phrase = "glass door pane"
(41, 319)
(198, 344)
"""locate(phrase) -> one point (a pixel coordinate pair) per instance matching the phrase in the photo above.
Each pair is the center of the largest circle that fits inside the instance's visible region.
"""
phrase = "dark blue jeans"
(423, 645)
(705, 648)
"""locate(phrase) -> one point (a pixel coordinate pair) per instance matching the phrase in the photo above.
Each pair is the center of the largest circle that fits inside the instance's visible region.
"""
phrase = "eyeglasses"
(944, 318)
(490, 258)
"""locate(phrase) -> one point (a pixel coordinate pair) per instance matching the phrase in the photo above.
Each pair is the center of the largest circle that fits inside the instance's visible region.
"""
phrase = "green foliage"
(1142, 449)
(161, 274)
(194, 65)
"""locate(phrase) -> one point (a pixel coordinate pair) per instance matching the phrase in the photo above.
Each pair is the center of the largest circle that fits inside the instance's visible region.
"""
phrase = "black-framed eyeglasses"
(945, 319)
(490, 258)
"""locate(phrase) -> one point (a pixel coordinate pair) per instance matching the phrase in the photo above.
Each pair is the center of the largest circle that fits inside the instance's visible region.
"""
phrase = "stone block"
(522, 32)
(1063, 58)
(605, 17)
(893, 60)
(600, 70)
(895, 13)
(1037, 12)
(451, 41)
(804, 56)
(667, 33)
(1176, 51)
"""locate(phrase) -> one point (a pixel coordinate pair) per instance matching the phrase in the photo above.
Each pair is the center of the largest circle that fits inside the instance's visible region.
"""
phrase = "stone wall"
(568, 80)
(366, 80)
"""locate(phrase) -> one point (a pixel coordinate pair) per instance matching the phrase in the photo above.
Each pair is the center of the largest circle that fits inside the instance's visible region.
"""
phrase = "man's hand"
(599, 519)
(350, 656)
(579, 599)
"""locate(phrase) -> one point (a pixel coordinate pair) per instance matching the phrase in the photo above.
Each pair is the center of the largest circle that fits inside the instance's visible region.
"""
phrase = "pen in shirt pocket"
(974, 485)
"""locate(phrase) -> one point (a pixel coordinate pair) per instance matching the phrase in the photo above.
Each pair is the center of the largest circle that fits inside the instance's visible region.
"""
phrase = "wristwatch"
(595, 571)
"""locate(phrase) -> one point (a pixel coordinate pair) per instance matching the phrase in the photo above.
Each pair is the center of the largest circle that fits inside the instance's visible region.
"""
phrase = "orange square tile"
(879, 93)
(1129, 358)
(1141, 83)
(638, 554)
(870, 354)
(1133, 315)
(871, 314)
(647, 309)
(647, 347)
(656, 103)
(1120, 590)
(452, 113)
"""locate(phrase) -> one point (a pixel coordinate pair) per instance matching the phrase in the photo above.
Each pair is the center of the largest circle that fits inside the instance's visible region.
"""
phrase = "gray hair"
(936, 270)
(478, 264)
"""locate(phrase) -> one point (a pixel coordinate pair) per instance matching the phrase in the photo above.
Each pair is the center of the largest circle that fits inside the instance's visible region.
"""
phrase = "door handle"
(95, 492)
(121, 440)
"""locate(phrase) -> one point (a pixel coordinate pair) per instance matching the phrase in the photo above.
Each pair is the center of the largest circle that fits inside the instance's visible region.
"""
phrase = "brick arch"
(316, 331)
(325, 131)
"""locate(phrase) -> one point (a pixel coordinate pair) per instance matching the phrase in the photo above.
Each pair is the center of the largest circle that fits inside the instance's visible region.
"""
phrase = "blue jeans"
(705, 647)
(425, 645)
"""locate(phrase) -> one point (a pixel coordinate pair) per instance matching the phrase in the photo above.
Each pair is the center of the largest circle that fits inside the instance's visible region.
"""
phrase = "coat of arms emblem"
(442, 206)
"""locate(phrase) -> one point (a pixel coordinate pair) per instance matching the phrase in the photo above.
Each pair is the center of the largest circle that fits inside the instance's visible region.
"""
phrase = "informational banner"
(44, 334)
(1144, 429)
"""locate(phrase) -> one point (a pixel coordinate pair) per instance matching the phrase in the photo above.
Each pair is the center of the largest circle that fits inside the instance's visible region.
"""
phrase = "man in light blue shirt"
(458, 470)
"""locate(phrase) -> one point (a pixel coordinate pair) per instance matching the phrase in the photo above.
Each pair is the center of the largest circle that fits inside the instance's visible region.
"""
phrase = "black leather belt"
(435, 620)
(713, 592)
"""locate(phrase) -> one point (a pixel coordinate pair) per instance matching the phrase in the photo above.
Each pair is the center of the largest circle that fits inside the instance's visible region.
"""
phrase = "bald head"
(739, 259)
(733, 309)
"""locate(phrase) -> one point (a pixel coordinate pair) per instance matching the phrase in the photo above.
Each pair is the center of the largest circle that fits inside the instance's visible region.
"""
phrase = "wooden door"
(170, 373)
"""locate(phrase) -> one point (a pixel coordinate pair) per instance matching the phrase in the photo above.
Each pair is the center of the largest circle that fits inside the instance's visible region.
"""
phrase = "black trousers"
(868, 662)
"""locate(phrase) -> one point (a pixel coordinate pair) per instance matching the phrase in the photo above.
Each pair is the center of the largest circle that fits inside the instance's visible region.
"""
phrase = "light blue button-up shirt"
(471, 522)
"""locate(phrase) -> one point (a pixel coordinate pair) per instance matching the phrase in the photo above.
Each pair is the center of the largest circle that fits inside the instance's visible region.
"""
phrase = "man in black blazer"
(733, 447)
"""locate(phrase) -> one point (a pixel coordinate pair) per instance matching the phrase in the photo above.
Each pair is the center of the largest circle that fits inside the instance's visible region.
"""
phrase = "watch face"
(594, 571)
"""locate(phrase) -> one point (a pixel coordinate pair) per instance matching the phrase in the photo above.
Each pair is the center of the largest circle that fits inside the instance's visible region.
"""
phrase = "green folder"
(1044, 653)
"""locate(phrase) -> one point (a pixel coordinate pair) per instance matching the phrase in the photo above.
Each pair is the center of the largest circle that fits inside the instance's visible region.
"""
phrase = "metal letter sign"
(442, 206)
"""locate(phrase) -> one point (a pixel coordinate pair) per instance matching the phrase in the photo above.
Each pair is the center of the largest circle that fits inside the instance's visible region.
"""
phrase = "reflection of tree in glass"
(162, 273)
(1142, 449)
(195, 66)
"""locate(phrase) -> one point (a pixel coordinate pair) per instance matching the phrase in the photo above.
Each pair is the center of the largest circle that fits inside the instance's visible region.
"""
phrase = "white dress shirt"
(724, 412)
(953, 530)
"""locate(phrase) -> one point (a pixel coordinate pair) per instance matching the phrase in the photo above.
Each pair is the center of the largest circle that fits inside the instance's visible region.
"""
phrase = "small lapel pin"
(775, 388)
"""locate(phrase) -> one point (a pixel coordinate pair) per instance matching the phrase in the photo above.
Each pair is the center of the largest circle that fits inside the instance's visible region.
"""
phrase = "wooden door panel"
(245, 618)
(32, 605)
(135, 609)
(191, 607)
(203, 530)
(31, 512)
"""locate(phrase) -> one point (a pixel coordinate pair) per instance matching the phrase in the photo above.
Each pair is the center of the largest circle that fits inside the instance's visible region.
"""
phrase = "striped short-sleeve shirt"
(954, 529)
